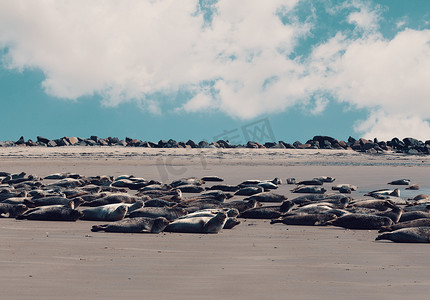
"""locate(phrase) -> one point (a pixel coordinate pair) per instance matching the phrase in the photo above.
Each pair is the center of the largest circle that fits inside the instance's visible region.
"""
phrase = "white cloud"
(240, 63)
(385, 127)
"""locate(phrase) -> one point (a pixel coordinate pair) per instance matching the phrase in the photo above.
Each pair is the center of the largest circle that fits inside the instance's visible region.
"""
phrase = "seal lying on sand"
(305, 219)
(425, 222)
(110, 212)
(134, 225)
(11, 210)
(267, 212)
(361, 221)
(407, 235)
(155, 212)
(51, 213)
(199, 224)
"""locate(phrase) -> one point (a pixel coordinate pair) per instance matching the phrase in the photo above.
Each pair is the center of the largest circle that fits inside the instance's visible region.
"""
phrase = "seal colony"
(128, 204)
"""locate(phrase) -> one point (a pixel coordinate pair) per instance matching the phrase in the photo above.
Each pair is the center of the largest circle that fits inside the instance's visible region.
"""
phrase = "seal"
(217, 194)
(67, 183)
(267, 212)
(413, 215)
(231, 212)
(134, 225)
(305, 219)
(383, 193)
(198, 224)
(249, 191)
(224, 187)
(414, 223)
(310, 182)
(155, 212)
(267, 197)
(212, 178)
(344, 186)
(11, 211)
(187, 181)
(309, 190)
(291, 180)
(114, 198)
(55, 200)
(241, 206)
(51, 213)
(419, 207)
(325, 179)
(400, 182)
(110, 212)
(381, 205)
(414, 187)
(190, 188)
(361, 221)
(407, 235)
(306, 199)
(267, 185)
(158, 203)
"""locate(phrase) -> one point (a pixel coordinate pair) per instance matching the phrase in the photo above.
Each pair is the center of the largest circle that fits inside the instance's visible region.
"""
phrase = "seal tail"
(96, 228)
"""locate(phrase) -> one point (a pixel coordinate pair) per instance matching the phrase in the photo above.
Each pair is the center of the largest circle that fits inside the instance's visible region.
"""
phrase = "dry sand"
(255, 260)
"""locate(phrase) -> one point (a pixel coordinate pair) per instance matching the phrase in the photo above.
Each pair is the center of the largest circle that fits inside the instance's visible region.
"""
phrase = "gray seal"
(414, 223)
(305, 219)
(267, 212)
(11, 210)
(309, 190)
(134, 225)
(361, 221)
(407, 235)
(51, 213)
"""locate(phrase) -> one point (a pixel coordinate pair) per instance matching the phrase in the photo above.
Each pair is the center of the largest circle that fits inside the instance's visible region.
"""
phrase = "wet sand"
(255, 260)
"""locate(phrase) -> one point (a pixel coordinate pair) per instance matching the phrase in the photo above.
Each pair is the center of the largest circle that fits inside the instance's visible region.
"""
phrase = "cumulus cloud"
(232, 56)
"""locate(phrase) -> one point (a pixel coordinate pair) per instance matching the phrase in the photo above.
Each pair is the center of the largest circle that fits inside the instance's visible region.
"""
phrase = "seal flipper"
(96, 228)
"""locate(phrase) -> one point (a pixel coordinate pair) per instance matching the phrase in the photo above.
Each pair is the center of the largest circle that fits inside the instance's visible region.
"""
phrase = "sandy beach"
(254, 260)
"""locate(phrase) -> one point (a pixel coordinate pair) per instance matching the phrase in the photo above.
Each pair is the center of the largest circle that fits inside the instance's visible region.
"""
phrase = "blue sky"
(192, 70)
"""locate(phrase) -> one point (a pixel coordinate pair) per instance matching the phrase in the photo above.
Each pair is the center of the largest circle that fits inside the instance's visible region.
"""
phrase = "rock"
(203, 144)
(42, 140)
(192, 144)
(73, 140)
(21, 141)
(51, 144)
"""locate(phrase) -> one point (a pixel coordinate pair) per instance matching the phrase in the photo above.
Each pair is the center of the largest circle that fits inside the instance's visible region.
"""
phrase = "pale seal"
(110, 212)
(198, 224)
